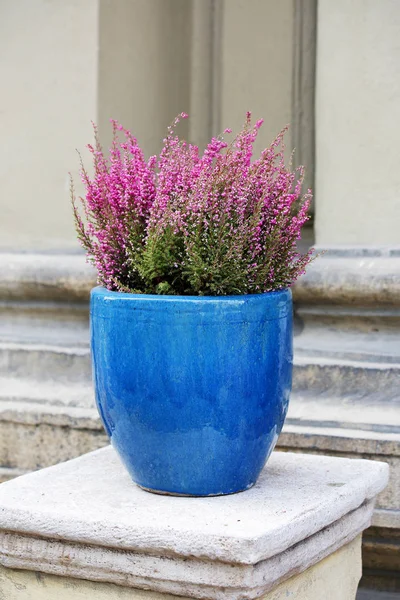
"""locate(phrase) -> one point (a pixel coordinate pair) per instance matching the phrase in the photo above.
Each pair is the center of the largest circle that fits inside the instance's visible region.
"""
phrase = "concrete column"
(357, 117)
(204, 60)
(267, 66)
(345, 393)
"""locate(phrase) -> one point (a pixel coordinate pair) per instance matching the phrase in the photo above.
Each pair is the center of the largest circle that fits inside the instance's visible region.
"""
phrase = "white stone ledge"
(86, 519)
(348, 276)
(170, 574)
(45, 276)
(389, 519)
(352, 276)
(92, 499)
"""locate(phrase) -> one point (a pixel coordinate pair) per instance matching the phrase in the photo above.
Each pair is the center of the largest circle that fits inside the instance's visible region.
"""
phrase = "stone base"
(334, 578)
(352, 443)
(86, 519)
(381, 543)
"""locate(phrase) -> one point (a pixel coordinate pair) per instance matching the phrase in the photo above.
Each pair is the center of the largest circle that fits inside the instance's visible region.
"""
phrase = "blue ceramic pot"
(192, 391)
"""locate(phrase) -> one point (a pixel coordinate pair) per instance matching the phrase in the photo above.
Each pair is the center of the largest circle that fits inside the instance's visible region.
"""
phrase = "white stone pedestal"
(295, 534)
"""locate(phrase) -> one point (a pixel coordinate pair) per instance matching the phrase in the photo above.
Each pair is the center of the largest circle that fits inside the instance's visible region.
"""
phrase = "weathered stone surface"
(47, 412)
(352, 443)
(334, 578)
(352, 276)
(25, 447)
(381, 543)
(301, 510)
(346, 395)
(45, 276)
(345, 400)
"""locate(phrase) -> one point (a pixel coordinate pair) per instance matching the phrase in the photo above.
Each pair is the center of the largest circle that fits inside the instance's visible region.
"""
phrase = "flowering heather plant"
(191, 224)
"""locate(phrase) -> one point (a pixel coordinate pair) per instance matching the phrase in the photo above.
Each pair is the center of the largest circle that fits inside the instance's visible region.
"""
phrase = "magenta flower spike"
(183, 223)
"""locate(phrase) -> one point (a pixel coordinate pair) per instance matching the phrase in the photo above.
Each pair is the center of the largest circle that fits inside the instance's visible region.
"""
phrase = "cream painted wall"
(144, 68)
(256, 65)
(357, 122)
(48, 74)
(64, 63)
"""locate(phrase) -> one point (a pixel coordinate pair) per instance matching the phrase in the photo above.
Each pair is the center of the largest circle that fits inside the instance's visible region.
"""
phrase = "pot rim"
(102, 291)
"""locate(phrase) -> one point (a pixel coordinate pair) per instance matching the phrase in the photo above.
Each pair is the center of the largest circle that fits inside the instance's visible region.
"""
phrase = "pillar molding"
(303, 86)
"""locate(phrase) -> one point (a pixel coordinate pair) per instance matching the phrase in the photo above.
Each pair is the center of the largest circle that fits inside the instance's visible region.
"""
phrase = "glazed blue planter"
(192, 391)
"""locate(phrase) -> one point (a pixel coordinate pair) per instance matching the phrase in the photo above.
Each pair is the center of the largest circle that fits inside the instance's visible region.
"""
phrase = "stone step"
(38, 419)
(54, 376)
(44, 425)
(358, 411)
(58, 363)
(364, 594)
(15, 391)
(316, 374)
(356, 337)
(44, 388)
(49, 323)
(345, 377)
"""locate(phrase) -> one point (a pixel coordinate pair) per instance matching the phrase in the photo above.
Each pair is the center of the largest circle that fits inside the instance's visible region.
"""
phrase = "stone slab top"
(91, 500)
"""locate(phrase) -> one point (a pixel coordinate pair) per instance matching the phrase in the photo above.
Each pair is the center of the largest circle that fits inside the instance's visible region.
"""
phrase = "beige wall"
(64, 63)
(357, 122)
(48, 56)
(256, 69)
(144, 66)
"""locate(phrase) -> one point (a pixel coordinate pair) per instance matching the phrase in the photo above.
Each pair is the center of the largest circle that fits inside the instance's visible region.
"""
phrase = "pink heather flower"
(184, 223)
